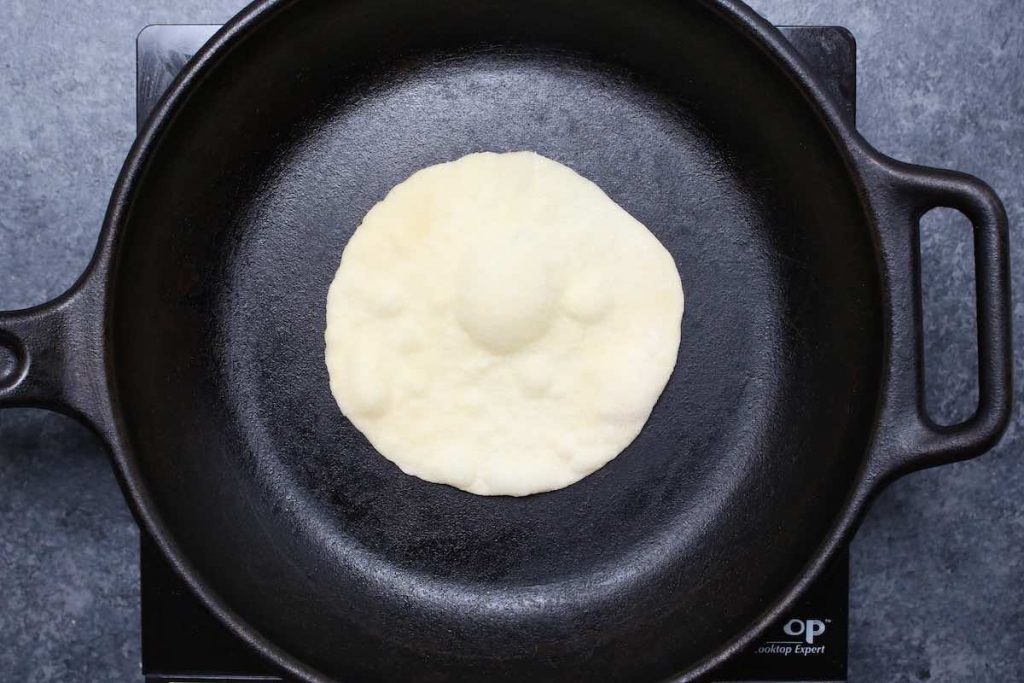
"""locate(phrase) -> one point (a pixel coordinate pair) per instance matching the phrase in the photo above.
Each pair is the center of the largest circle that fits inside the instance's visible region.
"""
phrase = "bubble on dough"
(507, 292)
(366, 383)
(536, 374)
(587, 297)
(499, 324)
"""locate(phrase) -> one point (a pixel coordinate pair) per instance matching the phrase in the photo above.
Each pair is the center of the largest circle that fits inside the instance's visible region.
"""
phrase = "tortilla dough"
(500, 325)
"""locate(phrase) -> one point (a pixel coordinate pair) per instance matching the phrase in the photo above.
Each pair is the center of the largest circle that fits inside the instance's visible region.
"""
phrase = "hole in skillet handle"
(950, 316)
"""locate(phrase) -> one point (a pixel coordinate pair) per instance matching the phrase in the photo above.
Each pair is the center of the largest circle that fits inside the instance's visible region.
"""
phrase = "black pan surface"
(230, 221)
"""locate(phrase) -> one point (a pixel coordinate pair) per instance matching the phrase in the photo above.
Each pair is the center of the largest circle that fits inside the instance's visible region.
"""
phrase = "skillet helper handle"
(50, 356)
(913, 440)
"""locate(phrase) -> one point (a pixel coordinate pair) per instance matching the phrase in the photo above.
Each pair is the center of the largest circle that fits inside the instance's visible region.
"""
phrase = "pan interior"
(234, 232)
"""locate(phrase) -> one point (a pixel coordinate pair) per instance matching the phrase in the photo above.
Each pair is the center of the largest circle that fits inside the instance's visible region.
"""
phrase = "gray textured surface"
(938, 567)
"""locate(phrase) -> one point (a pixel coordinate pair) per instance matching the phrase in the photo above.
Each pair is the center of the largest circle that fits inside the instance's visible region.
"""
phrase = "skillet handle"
(909, 438)
(51, 356)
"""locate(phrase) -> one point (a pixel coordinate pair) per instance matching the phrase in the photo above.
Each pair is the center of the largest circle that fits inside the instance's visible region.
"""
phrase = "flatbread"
(499, 324)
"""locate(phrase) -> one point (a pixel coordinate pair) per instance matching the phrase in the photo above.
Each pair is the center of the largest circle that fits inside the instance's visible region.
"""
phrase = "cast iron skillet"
(194, 342)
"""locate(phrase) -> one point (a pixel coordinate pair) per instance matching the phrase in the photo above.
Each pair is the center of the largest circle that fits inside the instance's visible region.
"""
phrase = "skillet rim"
(848, 143)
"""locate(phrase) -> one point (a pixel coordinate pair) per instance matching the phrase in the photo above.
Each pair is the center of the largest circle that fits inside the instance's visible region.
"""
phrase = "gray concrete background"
(938, 566)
